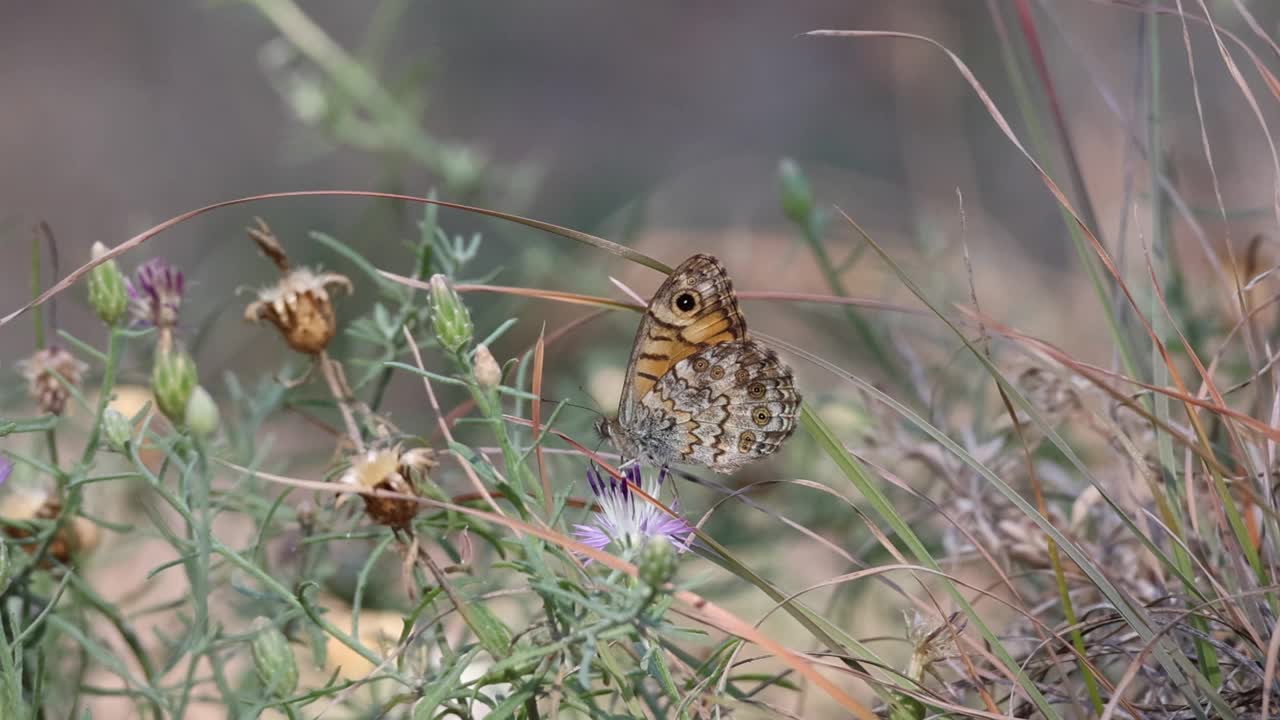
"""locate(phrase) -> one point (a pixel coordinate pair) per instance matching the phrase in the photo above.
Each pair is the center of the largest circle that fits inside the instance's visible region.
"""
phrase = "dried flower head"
(300, 308)
(299, 304)
(389, 469)
(931, 640)
(155, 294)
(49, 373)
(74, 538)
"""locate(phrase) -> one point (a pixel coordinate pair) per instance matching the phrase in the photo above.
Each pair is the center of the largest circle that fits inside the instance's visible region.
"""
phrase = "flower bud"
(462, 167)
(487, 372)
(107, 291)
(155, 294)
(201, 416)
(657, 562)
(273, 659)
(117, 430)
(797, 196)
(173, 378)
(449, 316)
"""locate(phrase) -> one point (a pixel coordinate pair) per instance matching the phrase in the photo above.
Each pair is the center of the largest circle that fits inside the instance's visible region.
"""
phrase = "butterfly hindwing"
(731, 403)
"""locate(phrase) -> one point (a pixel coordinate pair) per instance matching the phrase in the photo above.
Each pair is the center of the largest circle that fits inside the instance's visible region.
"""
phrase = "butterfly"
(698, 389)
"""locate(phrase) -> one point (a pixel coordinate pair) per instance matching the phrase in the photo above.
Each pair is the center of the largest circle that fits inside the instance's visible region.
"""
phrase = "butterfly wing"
(694, 308)
(731, 403)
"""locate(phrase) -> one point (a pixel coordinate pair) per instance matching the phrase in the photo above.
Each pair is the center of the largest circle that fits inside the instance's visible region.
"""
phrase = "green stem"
(867, 334)
(115, 346)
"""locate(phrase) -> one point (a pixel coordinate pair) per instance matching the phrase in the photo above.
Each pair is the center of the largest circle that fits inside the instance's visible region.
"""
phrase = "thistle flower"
(389, 469)
(49, 372)
(298, 304)
(627, 520)
(155, 294)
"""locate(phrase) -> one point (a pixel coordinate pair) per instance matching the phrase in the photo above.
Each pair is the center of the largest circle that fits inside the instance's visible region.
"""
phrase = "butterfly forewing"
(694, 308)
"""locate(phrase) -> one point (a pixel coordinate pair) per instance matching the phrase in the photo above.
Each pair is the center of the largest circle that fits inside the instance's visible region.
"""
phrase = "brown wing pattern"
(734, 402)
(693, 309)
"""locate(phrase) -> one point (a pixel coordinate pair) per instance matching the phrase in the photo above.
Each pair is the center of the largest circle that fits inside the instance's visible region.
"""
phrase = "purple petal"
(6, 467)
(591, 536)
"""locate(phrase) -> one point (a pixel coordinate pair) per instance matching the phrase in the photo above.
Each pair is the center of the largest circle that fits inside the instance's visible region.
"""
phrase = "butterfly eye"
(746, 441)
(756, 390)
(686, 302)
(700, 365)
(762, 416)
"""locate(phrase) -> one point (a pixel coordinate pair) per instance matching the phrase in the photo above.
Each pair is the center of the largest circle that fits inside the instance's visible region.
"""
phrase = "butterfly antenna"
(566, 402)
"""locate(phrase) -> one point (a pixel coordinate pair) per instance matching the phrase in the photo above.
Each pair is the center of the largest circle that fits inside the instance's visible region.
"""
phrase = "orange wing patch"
(693, 309)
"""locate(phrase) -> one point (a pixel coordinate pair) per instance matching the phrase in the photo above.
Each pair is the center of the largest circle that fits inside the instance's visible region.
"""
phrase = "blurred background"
(659, 125)
(643, 123)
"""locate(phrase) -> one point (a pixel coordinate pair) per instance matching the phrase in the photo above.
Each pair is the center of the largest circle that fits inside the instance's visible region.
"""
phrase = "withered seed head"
(299, 306)
(48, 373)
(387, 469)
(75, 538)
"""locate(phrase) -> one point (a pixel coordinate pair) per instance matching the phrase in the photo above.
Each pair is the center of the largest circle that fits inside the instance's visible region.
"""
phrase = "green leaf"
(492, 633)
(442, 688)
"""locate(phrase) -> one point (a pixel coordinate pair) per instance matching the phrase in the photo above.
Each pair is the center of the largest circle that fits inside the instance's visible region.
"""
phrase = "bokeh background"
(627, 121)
(660, 125)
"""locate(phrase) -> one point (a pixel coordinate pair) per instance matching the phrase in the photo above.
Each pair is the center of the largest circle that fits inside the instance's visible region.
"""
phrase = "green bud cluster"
(173, 379)
(117, 430)
(657, 561)
(273, 659)
(797, 196)
(107, 292)
(201, 416)
(449, 316)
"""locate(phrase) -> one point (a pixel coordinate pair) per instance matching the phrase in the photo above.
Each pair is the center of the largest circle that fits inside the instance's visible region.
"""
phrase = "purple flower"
(628, 520)
(155, 294)
(6, 467)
